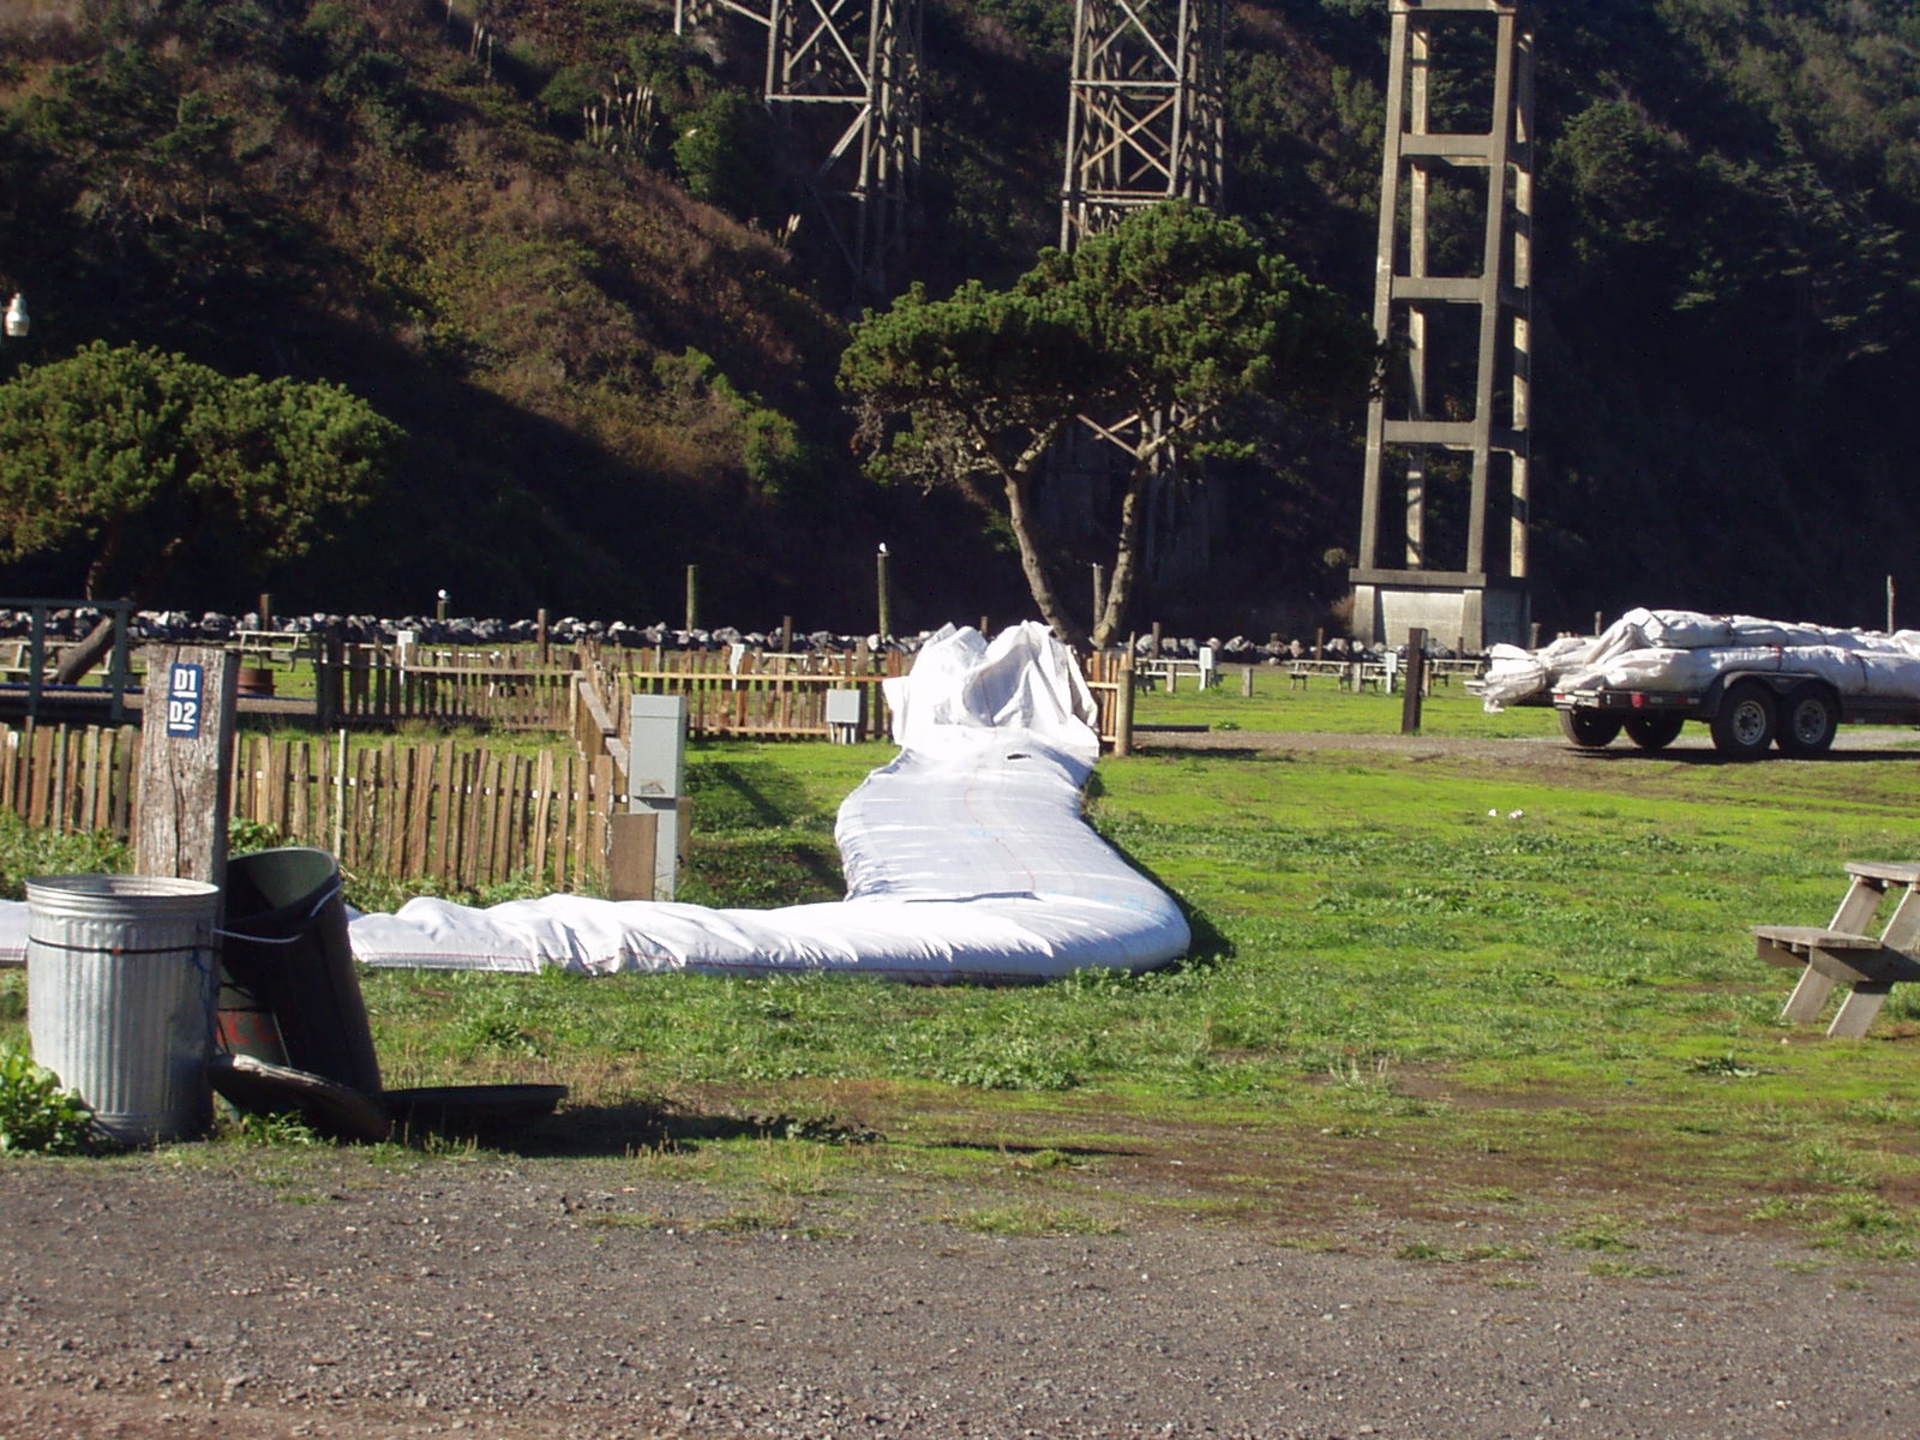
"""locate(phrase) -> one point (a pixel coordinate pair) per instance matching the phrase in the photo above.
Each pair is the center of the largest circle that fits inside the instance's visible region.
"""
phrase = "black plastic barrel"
(286, 955)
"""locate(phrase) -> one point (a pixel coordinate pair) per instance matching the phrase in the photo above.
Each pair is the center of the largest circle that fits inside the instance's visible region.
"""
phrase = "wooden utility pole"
(186, 737)
(1123, 704)
(1416, 681)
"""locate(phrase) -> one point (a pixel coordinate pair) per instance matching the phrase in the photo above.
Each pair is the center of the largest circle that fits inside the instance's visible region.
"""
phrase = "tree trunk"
(77, 659)
(81, 658)
(1033, 564)
(1126, 556)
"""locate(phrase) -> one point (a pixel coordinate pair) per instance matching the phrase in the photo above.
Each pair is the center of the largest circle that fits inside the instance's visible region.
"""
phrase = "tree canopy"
(1158, 331)
(131, 460)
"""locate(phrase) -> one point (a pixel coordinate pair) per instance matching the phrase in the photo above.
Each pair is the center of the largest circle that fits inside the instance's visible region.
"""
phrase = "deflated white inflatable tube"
(966, 858)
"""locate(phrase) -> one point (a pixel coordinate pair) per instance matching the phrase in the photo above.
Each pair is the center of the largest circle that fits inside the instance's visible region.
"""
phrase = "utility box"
(845, 712)
(656, 779)
(657, 746)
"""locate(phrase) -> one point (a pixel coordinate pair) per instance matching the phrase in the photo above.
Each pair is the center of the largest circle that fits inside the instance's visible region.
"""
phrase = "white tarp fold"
(1683, 650)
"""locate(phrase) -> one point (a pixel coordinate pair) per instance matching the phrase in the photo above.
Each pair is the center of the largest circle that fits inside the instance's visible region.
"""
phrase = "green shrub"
(572, 88)
(725, 152)
(777, 458)
(35, 1112)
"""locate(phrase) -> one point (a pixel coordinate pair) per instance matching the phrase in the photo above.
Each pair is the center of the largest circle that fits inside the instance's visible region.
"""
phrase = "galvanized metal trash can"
(121, 977)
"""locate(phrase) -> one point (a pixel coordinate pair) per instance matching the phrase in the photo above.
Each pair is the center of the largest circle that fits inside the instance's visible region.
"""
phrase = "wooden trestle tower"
(1470, 397)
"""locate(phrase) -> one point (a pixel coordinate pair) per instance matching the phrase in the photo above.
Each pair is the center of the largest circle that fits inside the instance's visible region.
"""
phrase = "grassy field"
(1519, 990)
(1322, 707)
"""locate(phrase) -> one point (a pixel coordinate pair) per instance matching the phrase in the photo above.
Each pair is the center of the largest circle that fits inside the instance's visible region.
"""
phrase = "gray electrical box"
(657, 746)
(656, 779)
(844, 713)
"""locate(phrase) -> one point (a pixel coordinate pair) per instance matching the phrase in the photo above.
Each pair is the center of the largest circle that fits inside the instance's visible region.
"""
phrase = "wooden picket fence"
(374, 685)
(460, 814)
(784, 697)
(463, 815)
(70, 778)
(731, 694)
(1110, 677)
(756, 696)
(745, 697)
(466, 815)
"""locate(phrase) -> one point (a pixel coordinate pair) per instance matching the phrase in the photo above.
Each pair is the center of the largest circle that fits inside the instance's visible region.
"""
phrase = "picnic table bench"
(1846, 952)
(1444, 668)
(1162, 669)
(1300, 671)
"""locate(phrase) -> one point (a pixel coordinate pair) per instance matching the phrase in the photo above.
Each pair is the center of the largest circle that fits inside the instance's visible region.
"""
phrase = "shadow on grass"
(1209, 946)
(760, 872)
(766, 809)
(1705, 756)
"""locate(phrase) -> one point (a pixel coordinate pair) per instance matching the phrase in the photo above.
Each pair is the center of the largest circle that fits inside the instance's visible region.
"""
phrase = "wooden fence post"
(1416, 681)
(185, 755)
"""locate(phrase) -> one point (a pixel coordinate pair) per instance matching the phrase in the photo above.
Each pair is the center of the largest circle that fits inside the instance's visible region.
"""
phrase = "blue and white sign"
(186, 700)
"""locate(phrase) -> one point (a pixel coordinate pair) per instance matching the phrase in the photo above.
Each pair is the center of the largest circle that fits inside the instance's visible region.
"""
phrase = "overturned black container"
(289, 971)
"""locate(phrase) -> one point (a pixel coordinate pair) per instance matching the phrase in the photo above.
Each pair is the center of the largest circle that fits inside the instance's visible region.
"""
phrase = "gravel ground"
(270, 1293)
(510, 1298)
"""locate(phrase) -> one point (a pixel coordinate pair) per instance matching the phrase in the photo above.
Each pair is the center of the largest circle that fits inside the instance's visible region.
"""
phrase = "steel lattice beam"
(845, 75)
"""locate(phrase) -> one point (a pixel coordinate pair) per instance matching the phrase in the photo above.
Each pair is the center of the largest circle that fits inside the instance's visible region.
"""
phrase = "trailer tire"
(1655, 732)
(1743, 726)
(1809, 716)
(1589, 729)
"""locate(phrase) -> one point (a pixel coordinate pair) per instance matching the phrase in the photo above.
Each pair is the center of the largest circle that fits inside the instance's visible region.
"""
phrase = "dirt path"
(1852, 745)
(546, 1299)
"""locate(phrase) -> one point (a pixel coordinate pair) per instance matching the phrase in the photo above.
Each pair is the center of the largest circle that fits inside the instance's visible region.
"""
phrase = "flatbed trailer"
(1747, 711)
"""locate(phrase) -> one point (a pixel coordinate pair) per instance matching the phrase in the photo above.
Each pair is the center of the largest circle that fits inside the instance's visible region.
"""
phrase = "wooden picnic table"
(1846, 952)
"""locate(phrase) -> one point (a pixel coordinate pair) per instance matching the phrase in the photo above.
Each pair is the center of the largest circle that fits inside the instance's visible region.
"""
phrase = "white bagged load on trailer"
(966, 858)
(1681, 650)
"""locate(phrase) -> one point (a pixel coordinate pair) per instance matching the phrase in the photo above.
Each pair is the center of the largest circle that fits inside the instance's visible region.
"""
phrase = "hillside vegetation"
(613, 352)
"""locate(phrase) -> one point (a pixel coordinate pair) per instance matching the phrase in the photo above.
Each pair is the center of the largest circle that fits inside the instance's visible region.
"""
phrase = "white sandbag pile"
(1682, 650)
(966, 858)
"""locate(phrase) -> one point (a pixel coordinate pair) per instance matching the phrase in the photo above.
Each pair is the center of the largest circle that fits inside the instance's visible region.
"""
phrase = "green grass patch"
(1631, 1270)
(1032, 1219)
(1323, 708)
(1423, 1250)
(1401, 993)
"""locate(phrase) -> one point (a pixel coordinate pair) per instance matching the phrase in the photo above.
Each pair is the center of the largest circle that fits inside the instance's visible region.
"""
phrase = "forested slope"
(613, 357)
